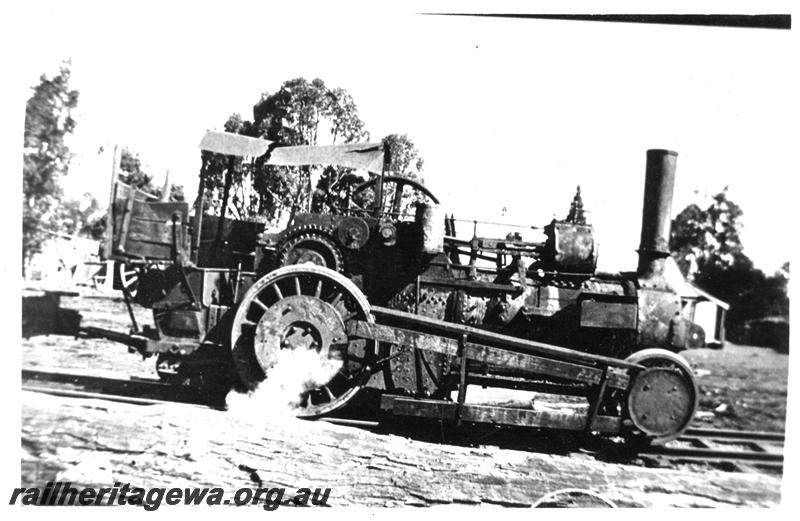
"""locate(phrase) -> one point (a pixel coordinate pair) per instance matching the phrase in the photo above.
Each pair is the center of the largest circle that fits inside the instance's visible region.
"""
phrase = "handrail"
(496, 223)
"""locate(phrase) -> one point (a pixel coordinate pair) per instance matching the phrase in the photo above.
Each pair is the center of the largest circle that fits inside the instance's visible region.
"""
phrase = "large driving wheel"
(395, 188)
(304, 307)
(663, 398)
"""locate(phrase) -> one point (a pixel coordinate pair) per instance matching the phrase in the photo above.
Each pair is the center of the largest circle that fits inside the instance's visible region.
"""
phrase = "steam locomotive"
(405, 306)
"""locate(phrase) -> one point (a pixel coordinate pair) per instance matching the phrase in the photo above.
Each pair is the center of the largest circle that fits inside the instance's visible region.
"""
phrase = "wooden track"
(743, 451)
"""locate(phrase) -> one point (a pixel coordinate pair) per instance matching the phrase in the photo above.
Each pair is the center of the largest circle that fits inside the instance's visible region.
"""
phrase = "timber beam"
(451, 411)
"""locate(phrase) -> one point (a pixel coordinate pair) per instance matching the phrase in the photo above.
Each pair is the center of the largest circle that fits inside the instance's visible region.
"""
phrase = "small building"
(66, 261)
(699, 306)
(706, 311)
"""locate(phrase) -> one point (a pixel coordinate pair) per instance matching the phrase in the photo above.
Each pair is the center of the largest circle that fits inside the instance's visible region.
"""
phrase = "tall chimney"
(659, 185)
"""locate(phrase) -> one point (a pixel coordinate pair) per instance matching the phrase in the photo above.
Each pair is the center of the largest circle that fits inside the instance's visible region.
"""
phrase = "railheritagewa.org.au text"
(65, 494)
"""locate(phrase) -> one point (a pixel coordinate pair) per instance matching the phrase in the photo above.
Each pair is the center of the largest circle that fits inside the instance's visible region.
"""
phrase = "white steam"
(280, 395)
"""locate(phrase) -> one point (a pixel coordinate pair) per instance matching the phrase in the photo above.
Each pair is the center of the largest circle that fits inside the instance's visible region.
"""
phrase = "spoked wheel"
(394, 187)
(128, 278)
(663, 398)
(146, 283)
(302, 312)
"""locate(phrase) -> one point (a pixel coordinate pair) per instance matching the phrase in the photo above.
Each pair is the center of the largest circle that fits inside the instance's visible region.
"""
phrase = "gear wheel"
(310, 244)
(352, 232)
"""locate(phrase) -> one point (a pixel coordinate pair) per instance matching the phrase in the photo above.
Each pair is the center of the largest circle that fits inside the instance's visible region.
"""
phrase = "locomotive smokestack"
(659, 184)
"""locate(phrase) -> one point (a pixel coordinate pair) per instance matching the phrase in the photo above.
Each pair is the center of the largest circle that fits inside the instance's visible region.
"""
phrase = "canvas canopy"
(364, 156)
(234, 144)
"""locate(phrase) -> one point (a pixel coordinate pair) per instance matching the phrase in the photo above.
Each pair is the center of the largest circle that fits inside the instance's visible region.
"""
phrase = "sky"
(509, 115)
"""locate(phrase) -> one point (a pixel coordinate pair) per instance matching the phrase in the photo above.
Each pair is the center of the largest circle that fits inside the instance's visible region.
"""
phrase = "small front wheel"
(663, 398)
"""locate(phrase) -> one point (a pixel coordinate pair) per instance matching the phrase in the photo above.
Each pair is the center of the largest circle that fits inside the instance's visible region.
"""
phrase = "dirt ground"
(90, 356)
(742, 387)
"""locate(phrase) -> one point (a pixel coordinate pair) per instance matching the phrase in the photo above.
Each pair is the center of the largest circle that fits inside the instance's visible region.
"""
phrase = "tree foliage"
(48, 120)
(132, 174)
(708, 249)
(301, 112)
(706, 239)
(405, 158)
(82, 217)
(404, 161)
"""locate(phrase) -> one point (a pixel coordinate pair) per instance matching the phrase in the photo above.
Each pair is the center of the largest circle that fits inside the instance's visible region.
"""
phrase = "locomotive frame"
(392, 303)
